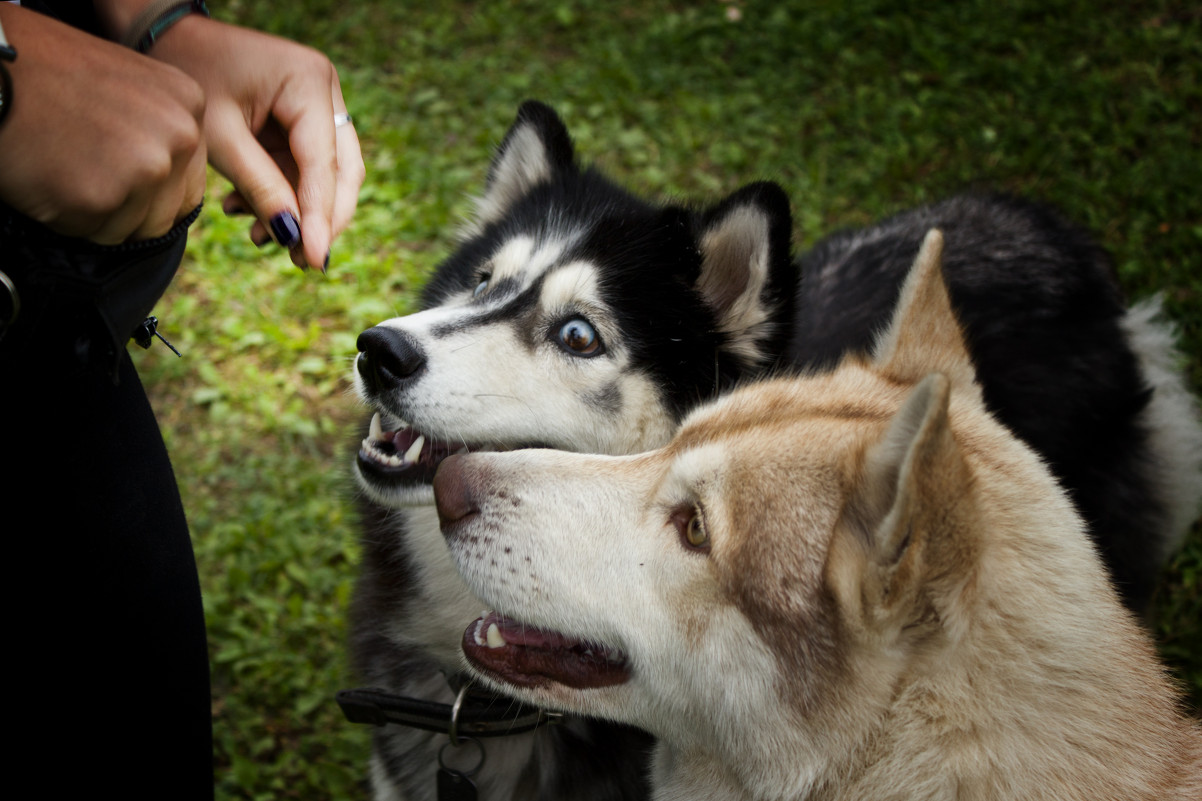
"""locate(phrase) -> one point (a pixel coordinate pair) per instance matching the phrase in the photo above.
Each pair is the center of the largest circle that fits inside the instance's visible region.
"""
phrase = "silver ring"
(453, 729)
(342, 119)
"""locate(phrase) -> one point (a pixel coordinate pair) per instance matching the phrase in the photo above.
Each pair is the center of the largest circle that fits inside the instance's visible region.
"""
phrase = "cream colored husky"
(848, 586)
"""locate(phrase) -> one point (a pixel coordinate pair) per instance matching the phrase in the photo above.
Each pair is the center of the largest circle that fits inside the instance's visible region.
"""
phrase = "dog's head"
(764, 577)
(573, 315)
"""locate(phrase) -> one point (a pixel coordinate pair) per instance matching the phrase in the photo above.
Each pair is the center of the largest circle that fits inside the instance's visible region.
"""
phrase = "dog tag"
(455, 786)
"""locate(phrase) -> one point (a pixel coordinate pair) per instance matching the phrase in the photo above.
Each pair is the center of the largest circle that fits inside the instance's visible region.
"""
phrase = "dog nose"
(453, 495)
(387, 357)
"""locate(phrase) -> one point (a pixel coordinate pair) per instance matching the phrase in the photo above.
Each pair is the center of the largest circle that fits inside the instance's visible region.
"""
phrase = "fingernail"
(325, 265)
(263, 240)
(285, 230)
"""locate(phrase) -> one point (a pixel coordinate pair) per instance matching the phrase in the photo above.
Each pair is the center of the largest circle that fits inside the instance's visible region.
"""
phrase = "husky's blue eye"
(579, 337)
(480, 287)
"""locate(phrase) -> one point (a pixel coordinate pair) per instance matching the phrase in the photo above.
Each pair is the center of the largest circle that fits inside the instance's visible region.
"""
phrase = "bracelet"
(7, 53)
(156, 18)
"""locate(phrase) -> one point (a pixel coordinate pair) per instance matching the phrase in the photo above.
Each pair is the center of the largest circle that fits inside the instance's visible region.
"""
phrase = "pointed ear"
(906, 523)
(536, 148)
(924, 335)
(747, 277)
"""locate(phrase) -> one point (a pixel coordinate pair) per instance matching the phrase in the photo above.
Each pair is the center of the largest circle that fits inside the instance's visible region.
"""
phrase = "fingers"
(153, 207)
(305, 110)
(262, 187)
(290, 184)
(351, 171)
(187, 187)
(270, 130)
(118, 156)
(341, 201)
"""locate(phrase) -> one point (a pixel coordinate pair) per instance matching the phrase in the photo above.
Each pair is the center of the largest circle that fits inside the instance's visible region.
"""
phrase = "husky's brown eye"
(579, 337)
(690, 524)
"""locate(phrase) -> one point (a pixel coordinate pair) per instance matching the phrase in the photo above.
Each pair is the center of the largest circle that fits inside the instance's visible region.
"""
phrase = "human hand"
(100, 142)
(269, 128)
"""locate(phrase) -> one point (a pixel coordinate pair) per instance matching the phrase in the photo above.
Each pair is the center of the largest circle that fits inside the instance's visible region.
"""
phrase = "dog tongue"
(529, 657)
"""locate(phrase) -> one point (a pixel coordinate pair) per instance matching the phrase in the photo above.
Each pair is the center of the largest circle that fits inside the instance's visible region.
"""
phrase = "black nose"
(387, 357)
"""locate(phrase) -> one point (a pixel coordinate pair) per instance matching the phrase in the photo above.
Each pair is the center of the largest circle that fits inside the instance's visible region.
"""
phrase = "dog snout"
(387, 357)
(455, 497)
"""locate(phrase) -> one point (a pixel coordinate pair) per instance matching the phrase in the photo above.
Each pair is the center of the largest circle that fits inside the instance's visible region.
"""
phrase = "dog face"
(573, 316)
(655, 571)
(756, 587)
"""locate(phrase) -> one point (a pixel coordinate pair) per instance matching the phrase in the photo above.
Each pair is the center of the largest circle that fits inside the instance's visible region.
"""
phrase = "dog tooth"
(377, 431)
(415, 450)
(495, 640)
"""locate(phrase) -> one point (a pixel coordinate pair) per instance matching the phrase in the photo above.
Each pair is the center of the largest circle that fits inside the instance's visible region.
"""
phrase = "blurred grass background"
(858, 107)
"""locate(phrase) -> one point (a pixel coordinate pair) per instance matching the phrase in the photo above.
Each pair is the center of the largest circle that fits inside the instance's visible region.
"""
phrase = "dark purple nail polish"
(261, 241)
(285, 230)
(325, 265)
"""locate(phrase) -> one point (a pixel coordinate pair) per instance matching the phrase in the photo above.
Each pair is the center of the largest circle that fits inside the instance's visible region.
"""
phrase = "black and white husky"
(576, 316)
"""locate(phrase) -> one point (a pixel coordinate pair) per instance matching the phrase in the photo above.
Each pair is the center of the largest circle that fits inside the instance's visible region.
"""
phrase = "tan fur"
(898, 601)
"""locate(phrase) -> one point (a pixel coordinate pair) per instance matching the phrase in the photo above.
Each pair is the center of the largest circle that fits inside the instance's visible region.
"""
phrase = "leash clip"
(146, 330)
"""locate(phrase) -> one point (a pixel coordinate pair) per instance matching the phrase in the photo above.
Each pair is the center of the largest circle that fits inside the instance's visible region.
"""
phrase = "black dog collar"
(475, 713)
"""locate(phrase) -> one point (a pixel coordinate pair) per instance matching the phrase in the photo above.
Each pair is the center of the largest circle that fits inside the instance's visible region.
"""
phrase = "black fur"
(1041, 311)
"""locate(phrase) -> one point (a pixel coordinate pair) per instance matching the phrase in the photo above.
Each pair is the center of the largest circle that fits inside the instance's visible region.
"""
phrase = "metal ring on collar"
(453, 728)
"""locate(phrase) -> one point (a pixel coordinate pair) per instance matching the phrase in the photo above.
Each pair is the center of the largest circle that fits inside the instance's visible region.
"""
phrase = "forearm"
(152, 19)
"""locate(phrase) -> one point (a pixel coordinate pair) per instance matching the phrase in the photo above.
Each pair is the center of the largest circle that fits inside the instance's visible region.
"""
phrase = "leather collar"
(475, 713)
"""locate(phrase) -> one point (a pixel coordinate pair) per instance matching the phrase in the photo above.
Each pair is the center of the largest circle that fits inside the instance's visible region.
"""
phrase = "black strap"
(481, 714)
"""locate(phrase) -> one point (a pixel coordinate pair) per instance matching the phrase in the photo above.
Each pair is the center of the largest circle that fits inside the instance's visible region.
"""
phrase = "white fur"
(897, 600)
(1171, 417)
(522, 165)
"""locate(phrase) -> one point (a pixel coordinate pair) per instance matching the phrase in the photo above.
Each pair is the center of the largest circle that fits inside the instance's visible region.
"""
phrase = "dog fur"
(851, 585)
(577, 316)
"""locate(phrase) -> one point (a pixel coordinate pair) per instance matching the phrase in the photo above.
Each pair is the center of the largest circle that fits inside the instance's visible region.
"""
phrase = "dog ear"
(906, 523)
(924, 335)
(536, 148)
(747, 276)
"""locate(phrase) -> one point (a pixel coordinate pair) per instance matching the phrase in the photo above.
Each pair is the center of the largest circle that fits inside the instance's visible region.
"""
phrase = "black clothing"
(112, 690)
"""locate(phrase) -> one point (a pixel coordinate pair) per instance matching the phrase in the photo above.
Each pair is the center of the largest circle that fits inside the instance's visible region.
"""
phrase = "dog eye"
(579, 337)
(690, 525)
(483, 285)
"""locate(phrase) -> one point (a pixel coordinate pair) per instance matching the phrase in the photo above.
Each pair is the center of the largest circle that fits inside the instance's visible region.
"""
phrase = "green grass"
(857, 108)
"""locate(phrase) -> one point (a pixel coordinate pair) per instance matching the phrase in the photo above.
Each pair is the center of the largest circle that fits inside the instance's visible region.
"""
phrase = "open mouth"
(525, 656)
(403, 456)
(407, 457)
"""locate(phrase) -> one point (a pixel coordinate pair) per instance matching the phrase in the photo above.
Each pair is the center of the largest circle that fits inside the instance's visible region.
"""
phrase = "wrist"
(138, 24)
